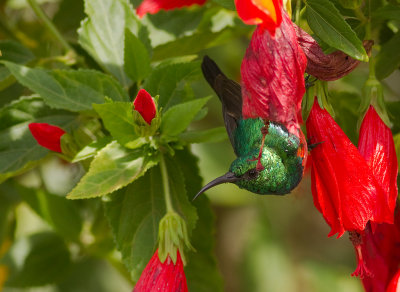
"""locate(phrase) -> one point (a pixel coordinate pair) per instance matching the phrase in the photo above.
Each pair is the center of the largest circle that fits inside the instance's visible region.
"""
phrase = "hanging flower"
(144, 104)
(153, 6)
(273, 77)
(47, 135)
(376, 145)
(164, 276)
(343, 187)
(266, 13)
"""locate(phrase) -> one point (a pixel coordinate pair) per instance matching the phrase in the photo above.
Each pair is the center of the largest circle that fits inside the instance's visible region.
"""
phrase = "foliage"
(80, 71)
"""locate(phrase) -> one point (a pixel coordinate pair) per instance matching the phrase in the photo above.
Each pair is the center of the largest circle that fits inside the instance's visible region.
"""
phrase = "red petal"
(153, 6)
(266, 13)
(166, 277)
(144, 104)
(394, 285)
(273, 77)
(47, 135)
(344, 181)
(376, 145)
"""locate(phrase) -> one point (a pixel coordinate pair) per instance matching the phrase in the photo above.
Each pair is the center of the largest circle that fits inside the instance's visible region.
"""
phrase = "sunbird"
(270, 159)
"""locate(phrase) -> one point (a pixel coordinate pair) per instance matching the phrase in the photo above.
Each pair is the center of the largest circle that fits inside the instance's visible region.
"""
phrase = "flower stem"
(50, 26)
(167, 192)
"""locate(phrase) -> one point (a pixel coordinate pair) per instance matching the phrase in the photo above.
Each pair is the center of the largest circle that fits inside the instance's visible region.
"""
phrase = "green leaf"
(329, 25)
(192, 44)
(69, 89)
(388, 58)
(13, 52)
(118, 120)
(201, 271)
(136, 57)
(390, 12)
(9, 199)
(135, 212)
(91, 149)
(229, 4)
(113, 168)
(18, 149)
(178, 117)
(206, 136)
(62, 214)
(102, 34)
(37, 260)
(166, 80)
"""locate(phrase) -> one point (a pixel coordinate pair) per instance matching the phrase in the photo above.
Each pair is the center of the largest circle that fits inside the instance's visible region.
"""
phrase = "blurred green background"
(264, 243)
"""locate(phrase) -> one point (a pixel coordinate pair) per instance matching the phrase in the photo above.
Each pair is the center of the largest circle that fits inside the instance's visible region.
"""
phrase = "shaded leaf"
(212, 135)
(69, 89)
(18, 149)
(229, 4)
(37, 260)
(113, 168)
(390, 12)
(136, 57)
(177, 118)
(134, 217)
(118, 120)
(167, 79)
(62, 214)
(102, 34)
(388, 58)
(329, 25)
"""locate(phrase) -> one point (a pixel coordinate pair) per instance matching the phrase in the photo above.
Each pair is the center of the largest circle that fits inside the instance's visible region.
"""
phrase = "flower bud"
(47, 135)
(326, 67)
(145, 115)
(153, 6)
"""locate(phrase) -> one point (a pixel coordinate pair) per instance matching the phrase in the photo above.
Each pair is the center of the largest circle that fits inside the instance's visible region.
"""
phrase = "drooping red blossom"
(394, 285)
(376, 145)
(326, 67)
(273, 77)
(144, 104)
(266, 13)
(47, 135)
(166, 277)
(343, 187)
(153, 6)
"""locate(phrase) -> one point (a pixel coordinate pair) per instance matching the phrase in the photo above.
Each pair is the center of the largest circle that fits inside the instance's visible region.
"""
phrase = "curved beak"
(228, 177)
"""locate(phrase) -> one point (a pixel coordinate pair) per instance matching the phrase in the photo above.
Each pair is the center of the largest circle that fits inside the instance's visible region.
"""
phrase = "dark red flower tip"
(265, 13)
(153, 6)
(394, 285)
(343, 187)
(376, 145)
(166, 277)
(273, 77)
(47, 135)
(144, 104)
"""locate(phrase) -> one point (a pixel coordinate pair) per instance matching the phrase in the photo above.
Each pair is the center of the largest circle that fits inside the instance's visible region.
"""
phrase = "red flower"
(343, 187)
(394, 285)
(376, 145)
(266, 13)
(153, 6)
(166, 277)
(144, 104)
(47, 135)
(273, 77)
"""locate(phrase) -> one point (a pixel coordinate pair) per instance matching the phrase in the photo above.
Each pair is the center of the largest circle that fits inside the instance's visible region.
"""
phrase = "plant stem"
(49, 25)
(165, 181)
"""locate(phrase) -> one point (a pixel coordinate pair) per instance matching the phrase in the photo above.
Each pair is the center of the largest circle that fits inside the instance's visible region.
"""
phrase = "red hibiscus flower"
(343, 187)
(144, 104)
(394, 285)
(266, 13)
(153, 6)
(273, 77)
(47, 135)
(166, 277)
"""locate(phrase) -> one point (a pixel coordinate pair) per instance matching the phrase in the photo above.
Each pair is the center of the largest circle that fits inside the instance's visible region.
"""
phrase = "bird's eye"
(252, 174)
